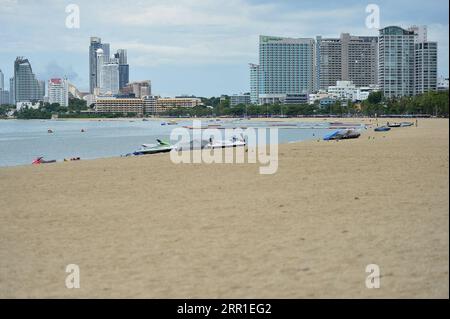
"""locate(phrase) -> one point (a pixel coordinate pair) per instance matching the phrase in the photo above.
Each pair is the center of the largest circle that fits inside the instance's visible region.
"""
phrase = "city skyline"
(190, 47)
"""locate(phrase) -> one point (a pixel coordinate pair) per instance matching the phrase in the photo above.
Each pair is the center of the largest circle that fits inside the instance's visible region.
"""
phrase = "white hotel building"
(58, 91)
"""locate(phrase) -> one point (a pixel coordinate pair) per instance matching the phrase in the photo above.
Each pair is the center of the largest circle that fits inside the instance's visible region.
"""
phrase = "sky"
(192, 47)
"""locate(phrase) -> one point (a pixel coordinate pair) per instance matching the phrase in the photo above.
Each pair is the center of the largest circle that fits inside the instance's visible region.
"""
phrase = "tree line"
(430, 103)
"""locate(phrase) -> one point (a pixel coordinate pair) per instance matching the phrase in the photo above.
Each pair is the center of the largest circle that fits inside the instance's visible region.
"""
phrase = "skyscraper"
(286, 66)
(348, 58)
(4, 97)
(396, 61)
(425, 78)
(12, 93)
(122, 56)
(109, 78)
(96, 44)
(124, 68)
(58, 91)
(425, 61)
(94, 76)
(254, 79)
(100, 60)
(2, 80)
(26, 86)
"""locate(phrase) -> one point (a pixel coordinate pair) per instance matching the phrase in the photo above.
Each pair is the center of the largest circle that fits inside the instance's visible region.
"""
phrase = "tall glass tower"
(94, 76)
(254, 79)
(396, 61)
(124, 68)
(26, 86)
(286, 67)
(2, 80)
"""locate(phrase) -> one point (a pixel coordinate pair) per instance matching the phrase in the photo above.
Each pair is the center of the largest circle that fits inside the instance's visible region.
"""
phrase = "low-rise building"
(168, 102)
(343, 90)
(147, 104)
(346, 90)
(27, 104)
(237, 99)
(296, 99)
(442, 84)
(138, 88)
(119, 105)
(327, 101)
(316, 97)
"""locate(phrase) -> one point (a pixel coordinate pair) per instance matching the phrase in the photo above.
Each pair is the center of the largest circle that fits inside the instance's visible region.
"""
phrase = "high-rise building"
(2, 80)
(254, 79)
(420, 33)
(328, 62)
(106, 51)
(425, 78)
(109, 78)
(94, 76)
(396, 61)
(4, 97)
(124, 75)
(100, 60)
(286, 66)
(122, 56)
(96, 44)
(124, 68)
(26, 86)
(348, 58)
(12, 94)
(58, 91)
(41, 88)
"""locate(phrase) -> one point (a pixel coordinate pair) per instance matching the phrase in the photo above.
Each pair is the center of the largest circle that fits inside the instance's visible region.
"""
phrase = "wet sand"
(146, 228)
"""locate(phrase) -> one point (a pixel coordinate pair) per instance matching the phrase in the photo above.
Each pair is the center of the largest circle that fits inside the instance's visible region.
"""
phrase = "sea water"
(21, 141)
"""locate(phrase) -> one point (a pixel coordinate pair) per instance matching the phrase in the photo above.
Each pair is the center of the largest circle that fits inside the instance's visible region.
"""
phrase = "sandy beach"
(144, 227)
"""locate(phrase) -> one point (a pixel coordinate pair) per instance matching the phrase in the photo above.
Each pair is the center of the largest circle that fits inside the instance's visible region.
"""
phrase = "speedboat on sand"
(382, 129)
(342, 135)
(160, 147)
(232, 142)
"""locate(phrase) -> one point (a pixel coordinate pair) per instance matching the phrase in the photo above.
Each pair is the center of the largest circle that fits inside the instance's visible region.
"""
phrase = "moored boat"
(382, 129)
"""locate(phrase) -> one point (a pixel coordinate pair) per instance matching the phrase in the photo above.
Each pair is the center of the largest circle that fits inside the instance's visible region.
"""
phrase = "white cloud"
(163, 34)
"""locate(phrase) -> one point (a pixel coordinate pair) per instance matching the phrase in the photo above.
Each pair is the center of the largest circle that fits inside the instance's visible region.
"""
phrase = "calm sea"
(21, 141)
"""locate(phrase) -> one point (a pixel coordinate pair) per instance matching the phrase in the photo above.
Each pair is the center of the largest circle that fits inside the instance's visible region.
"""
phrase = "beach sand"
(146, 228)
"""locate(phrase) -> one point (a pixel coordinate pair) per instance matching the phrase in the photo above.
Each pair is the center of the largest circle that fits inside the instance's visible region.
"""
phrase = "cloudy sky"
(199, 47)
